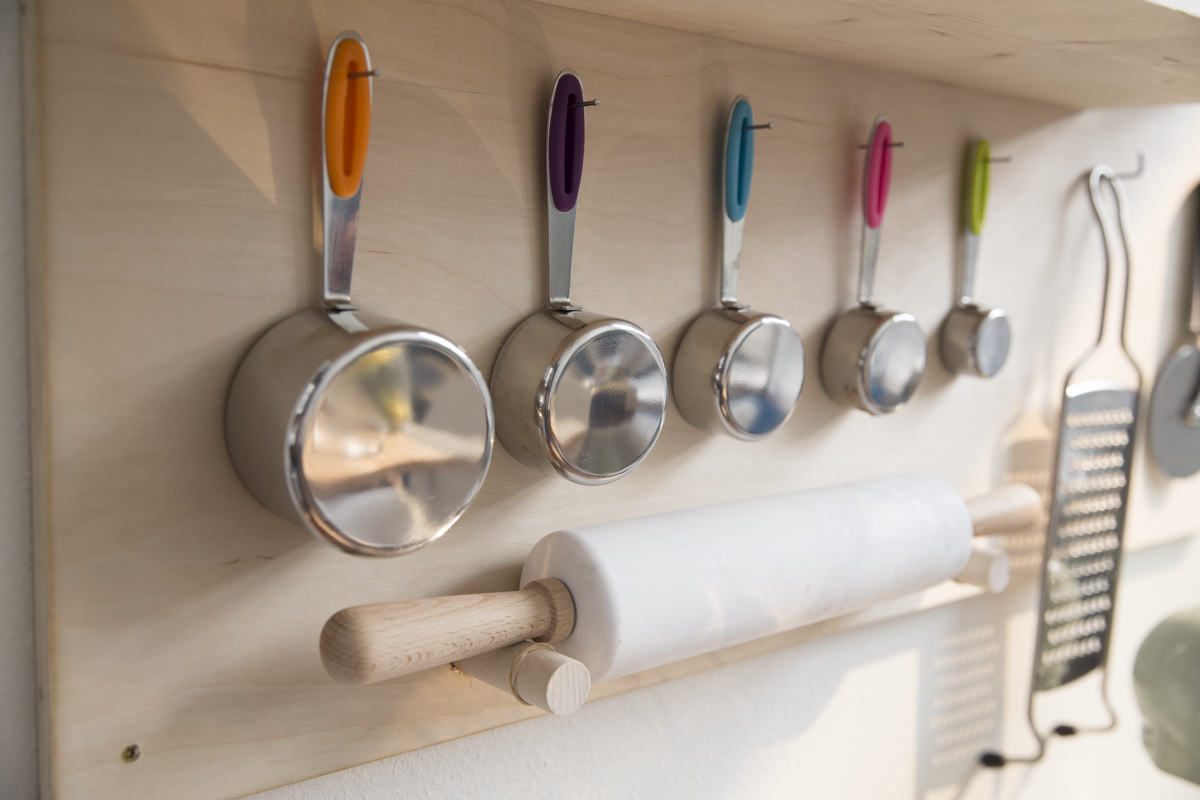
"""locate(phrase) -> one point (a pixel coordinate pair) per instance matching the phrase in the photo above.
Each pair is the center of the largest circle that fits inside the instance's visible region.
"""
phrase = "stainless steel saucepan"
(375, 436)
(577, 393)
(737, 371)
(873, 358)
(975, 339)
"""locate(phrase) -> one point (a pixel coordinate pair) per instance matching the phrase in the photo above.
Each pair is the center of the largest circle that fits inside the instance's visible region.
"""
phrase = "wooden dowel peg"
(535, 674)
(367, 644)
(987, 568)
(1010, 509)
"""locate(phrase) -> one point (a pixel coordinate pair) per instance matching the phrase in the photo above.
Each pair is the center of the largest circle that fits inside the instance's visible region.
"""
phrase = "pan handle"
(878, 177)
(564, 171)
(877, 181)
(737, 169)
(976, 175)
(975, 185)
(346, 128)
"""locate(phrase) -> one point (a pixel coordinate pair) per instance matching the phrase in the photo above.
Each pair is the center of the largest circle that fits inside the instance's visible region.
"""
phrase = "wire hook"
(1141, 168)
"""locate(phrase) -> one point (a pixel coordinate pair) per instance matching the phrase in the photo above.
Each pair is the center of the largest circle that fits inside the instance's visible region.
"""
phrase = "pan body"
(873, 359)
(975, 340)
(373, 436)
(738, 372)
(578, 394)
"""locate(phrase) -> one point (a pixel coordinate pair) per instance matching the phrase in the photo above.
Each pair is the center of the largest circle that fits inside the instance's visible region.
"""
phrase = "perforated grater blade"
(1087, 521)
(1082, 559)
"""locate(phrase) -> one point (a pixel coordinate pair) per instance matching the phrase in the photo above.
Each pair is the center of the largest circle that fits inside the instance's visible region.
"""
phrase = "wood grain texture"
(551, 681)
(1077, 53)
(172, 222)
(534, 673)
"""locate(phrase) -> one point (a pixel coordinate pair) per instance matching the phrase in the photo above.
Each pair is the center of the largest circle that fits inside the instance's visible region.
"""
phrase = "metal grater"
(1087, 520)
(1082, 559)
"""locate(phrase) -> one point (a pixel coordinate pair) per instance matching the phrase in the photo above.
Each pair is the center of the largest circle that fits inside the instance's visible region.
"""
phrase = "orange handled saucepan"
(373, 435)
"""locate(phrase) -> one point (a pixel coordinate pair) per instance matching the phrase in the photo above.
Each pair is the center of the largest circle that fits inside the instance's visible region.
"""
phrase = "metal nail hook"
(585, 104)
(370, 73)
(889, 144)
(1141, 168)
(764, 126)
(1000, 160)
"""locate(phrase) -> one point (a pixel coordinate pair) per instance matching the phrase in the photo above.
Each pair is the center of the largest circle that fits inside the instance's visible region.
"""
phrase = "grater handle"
(1116, 281)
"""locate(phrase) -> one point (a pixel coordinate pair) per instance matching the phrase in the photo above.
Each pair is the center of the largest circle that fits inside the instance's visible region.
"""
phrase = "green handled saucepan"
(975, 339)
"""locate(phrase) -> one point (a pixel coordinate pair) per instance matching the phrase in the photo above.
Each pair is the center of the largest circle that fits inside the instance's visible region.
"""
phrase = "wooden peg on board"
(535, 674)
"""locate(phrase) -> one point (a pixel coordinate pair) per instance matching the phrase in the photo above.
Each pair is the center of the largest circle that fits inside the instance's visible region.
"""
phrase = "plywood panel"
(1078, 53)
(174, 224)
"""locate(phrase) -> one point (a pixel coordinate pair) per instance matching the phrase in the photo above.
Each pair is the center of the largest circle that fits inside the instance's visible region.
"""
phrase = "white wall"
(896, 710)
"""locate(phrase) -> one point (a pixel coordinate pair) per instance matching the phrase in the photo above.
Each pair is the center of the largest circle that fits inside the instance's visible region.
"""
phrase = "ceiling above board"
(1077, 53)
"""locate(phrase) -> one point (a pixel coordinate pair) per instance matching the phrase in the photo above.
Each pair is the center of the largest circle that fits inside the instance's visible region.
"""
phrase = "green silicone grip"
(975, 185)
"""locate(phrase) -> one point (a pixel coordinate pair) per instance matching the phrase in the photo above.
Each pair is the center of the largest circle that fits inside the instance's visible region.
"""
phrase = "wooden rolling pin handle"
(1009, 509)
(367, 644)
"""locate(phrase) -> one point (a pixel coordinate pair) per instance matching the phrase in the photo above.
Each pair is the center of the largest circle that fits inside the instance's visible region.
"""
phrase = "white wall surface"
(896, 710)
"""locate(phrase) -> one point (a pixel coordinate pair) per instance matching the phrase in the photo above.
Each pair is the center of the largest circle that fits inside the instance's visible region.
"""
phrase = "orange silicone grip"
(347, 118)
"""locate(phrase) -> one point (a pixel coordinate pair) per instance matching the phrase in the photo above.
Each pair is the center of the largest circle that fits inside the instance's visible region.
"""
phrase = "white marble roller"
(660, 589)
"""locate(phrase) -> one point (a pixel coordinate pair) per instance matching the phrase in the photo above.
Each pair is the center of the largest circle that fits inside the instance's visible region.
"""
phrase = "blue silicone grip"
(739, 160)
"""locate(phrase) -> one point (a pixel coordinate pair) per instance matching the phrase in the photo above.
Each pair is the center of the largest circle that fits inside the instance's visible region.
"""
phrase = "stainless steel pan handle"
(345, 127)
(564, 169)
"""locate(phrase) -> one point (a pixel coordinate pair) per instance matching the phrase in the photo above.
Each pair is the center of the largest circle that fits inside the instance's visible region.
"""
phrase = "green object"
(1166, 682)
(975, 184)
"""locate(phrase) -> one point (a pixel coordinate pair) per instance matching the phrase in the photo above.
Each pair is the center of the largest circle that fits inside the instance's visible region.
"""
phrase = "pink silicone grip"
(879, 174)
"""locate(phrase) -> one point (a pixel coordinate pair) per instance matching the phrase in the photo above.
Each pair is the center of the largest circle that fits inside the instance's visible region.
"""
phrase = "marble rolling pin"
(628, 596)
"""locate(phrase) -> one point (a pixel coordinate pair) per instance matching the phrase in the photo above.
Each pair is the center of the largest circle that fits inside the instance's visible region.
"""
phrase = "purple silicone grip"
(564, 142)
